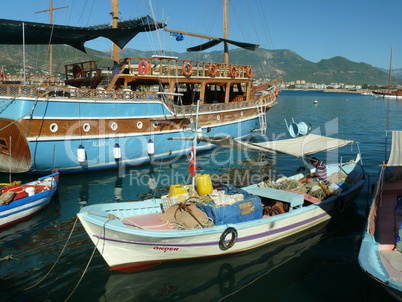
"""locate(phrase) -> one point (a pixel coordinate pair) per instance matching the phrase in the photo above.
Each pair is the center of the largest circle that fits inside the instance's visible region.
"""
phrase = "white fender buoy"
(117, 152)
(81, 155)
(150, 148)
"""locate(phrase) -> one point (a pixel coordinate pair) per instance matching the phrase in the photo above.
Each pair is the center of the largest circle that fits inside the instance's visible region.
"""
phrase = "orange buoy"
(276, 93)
(249, 72)
(143, 67)
(187, 69)
(212, 70)
(233, 71)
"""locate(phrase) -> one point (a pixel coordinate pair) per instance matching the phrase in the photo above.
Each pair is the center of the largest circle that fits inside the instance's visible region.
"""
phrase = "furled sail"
(11, 32)
(212, 43)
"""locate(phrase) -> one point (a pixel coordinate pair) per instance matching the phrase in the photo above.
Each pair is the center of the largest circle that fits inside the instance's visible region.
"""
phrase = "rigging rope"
(110, 218)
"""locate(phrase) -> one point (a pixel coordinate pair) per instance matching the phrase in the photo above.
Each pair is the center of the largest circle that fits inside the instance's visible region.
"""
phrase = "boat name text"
(165, 249)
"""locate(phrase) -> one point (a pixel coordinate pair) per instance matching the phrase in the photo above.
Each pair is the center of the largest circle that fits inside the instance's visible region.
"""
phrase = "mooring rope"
(54, 264)
(110, 218)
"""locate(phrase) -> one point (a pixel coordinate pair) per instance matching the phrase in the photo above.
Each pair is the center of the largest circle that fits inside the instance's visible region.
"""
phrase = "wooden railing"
(172, 67)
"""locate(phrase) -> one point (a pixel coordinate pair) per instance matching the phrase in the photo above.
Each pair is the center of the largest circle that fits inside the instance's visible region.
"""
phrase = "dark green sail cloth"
(11, 32)
(212, 43)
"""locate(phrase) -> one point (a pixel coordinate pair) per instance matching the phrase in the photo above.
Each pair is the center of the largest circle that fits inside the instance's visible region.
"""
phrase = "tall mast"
(115, 21)
(50, 10)
(225, 32)
(390, 72)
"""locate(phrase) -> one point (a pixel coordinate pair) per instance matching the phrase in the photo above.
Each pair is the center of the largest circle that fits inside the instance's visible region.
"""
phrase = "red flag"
(192, 167)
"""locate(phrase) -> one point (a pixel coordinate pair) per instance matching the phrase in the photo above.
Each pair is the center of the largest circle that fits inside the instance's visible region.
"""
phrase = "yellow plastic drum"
(203, 184)
(175, 190)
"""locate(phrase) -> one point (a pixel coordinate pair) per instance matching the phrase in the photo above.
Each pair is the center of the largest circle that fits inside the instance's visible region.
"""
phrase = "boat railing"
(191, 109)
(34, 91)
(87, 69)
(172, 67)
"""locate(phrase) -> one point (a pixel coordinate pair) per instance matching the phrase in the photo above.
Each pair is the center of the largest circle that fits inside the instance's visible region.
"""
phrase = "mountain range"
(272, 64)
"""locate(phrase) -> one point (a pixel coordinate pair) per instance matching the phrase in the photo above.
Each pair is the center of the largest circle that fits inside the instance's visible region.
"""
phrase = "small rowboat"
(20, 201)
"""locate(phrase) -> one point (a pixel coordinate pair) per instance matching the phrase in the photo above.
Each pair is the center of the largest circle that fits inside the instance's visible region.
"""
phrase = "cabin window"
(114, 126)
(86, 127)
(139, 125)
(4, 147)
(54, 127)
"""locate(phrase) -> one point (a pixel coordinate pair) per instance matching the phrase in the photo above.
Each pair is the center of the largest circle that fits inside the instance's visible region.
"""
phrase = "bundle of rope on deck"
(186, 216)
(284, 183)
(394, 176)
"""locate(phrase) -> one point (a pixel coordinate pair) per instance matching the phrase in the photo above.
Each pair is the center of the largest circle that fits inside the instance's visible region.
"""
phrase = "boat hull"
(54, 131)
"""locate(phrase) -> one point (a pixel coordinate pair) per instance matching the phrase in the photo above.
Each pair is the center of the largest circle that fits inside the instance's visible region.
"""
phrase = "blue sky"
(359, 30)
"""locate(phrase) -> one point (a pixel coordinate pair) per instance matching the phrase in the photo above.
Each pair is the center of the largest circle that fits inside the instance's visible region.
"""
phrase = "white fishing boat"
(210, 222)
(380, 253)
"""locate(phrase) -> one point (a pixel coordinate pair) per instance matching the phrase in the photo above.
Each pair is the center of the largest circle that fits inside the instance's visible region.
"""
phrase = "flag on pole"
(192, 166)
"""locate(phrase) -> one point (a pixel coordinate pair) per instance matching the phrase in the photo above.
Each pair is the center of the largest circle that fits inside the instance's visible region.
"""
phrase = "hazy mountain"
(272, 64)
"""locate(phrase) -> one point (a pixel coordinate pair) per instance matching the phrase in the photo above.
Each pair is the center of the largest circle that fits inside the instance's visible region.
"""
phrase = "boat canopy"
(395, 158)
(11, 32)
(298, 147)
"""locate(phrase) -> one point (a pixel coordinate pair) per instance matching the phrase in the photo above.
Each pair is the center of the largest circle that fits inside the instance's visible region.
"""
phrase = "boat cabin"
(186, 80)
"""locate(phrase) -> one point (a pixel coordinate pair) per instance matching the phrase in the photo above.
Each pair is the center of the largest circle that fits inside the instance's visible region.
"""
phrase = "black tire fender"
(222, 241)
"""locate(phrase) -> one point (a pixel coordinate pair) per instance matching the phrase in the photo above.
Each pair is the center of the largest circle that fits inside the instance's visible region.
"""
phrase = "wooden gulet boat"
(132, 236)
(380, 254)
(20, 201)
(107, 118)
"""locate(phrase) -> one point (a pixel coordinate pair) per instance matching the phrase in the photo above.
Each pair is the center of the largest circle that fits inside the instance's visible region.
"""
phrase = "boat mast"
(50, 10)
(390, 72)
(115, 21)
(225, 32)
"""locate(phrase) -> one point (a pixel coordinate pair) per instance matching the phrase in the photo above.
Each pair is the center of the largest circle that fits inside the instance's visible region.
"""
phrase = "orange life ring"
(276, 93)
(187, 69)
(212, 70)
(249, 72)
(233, 71)
(143, 67)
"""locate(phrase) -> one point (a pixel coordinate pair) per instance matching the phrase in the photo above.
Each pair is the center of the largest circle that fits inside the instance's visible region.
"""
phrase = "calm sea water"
(319, 265)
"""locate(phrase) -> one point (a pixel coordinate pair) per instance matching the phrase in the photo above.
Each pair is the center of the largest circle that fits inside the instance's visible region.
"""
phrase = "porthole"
(54, 127)
(114, 126)
(139, 125)
(218, 117)
(86, 127)
(241, 113)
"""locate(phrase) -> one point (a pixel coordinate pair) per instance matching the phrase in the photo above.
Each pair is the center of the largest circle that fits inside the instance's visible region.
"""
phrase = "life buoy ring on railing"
(276, 93)
(233, 71)
(222, 241)
(212, 70)
(143, 67)
(187, 69)
(249, 72)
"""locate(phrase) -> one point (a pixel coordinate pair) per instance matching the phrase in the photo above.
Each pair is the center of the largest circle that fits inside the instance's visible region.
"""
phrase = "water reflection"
(207, 279)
